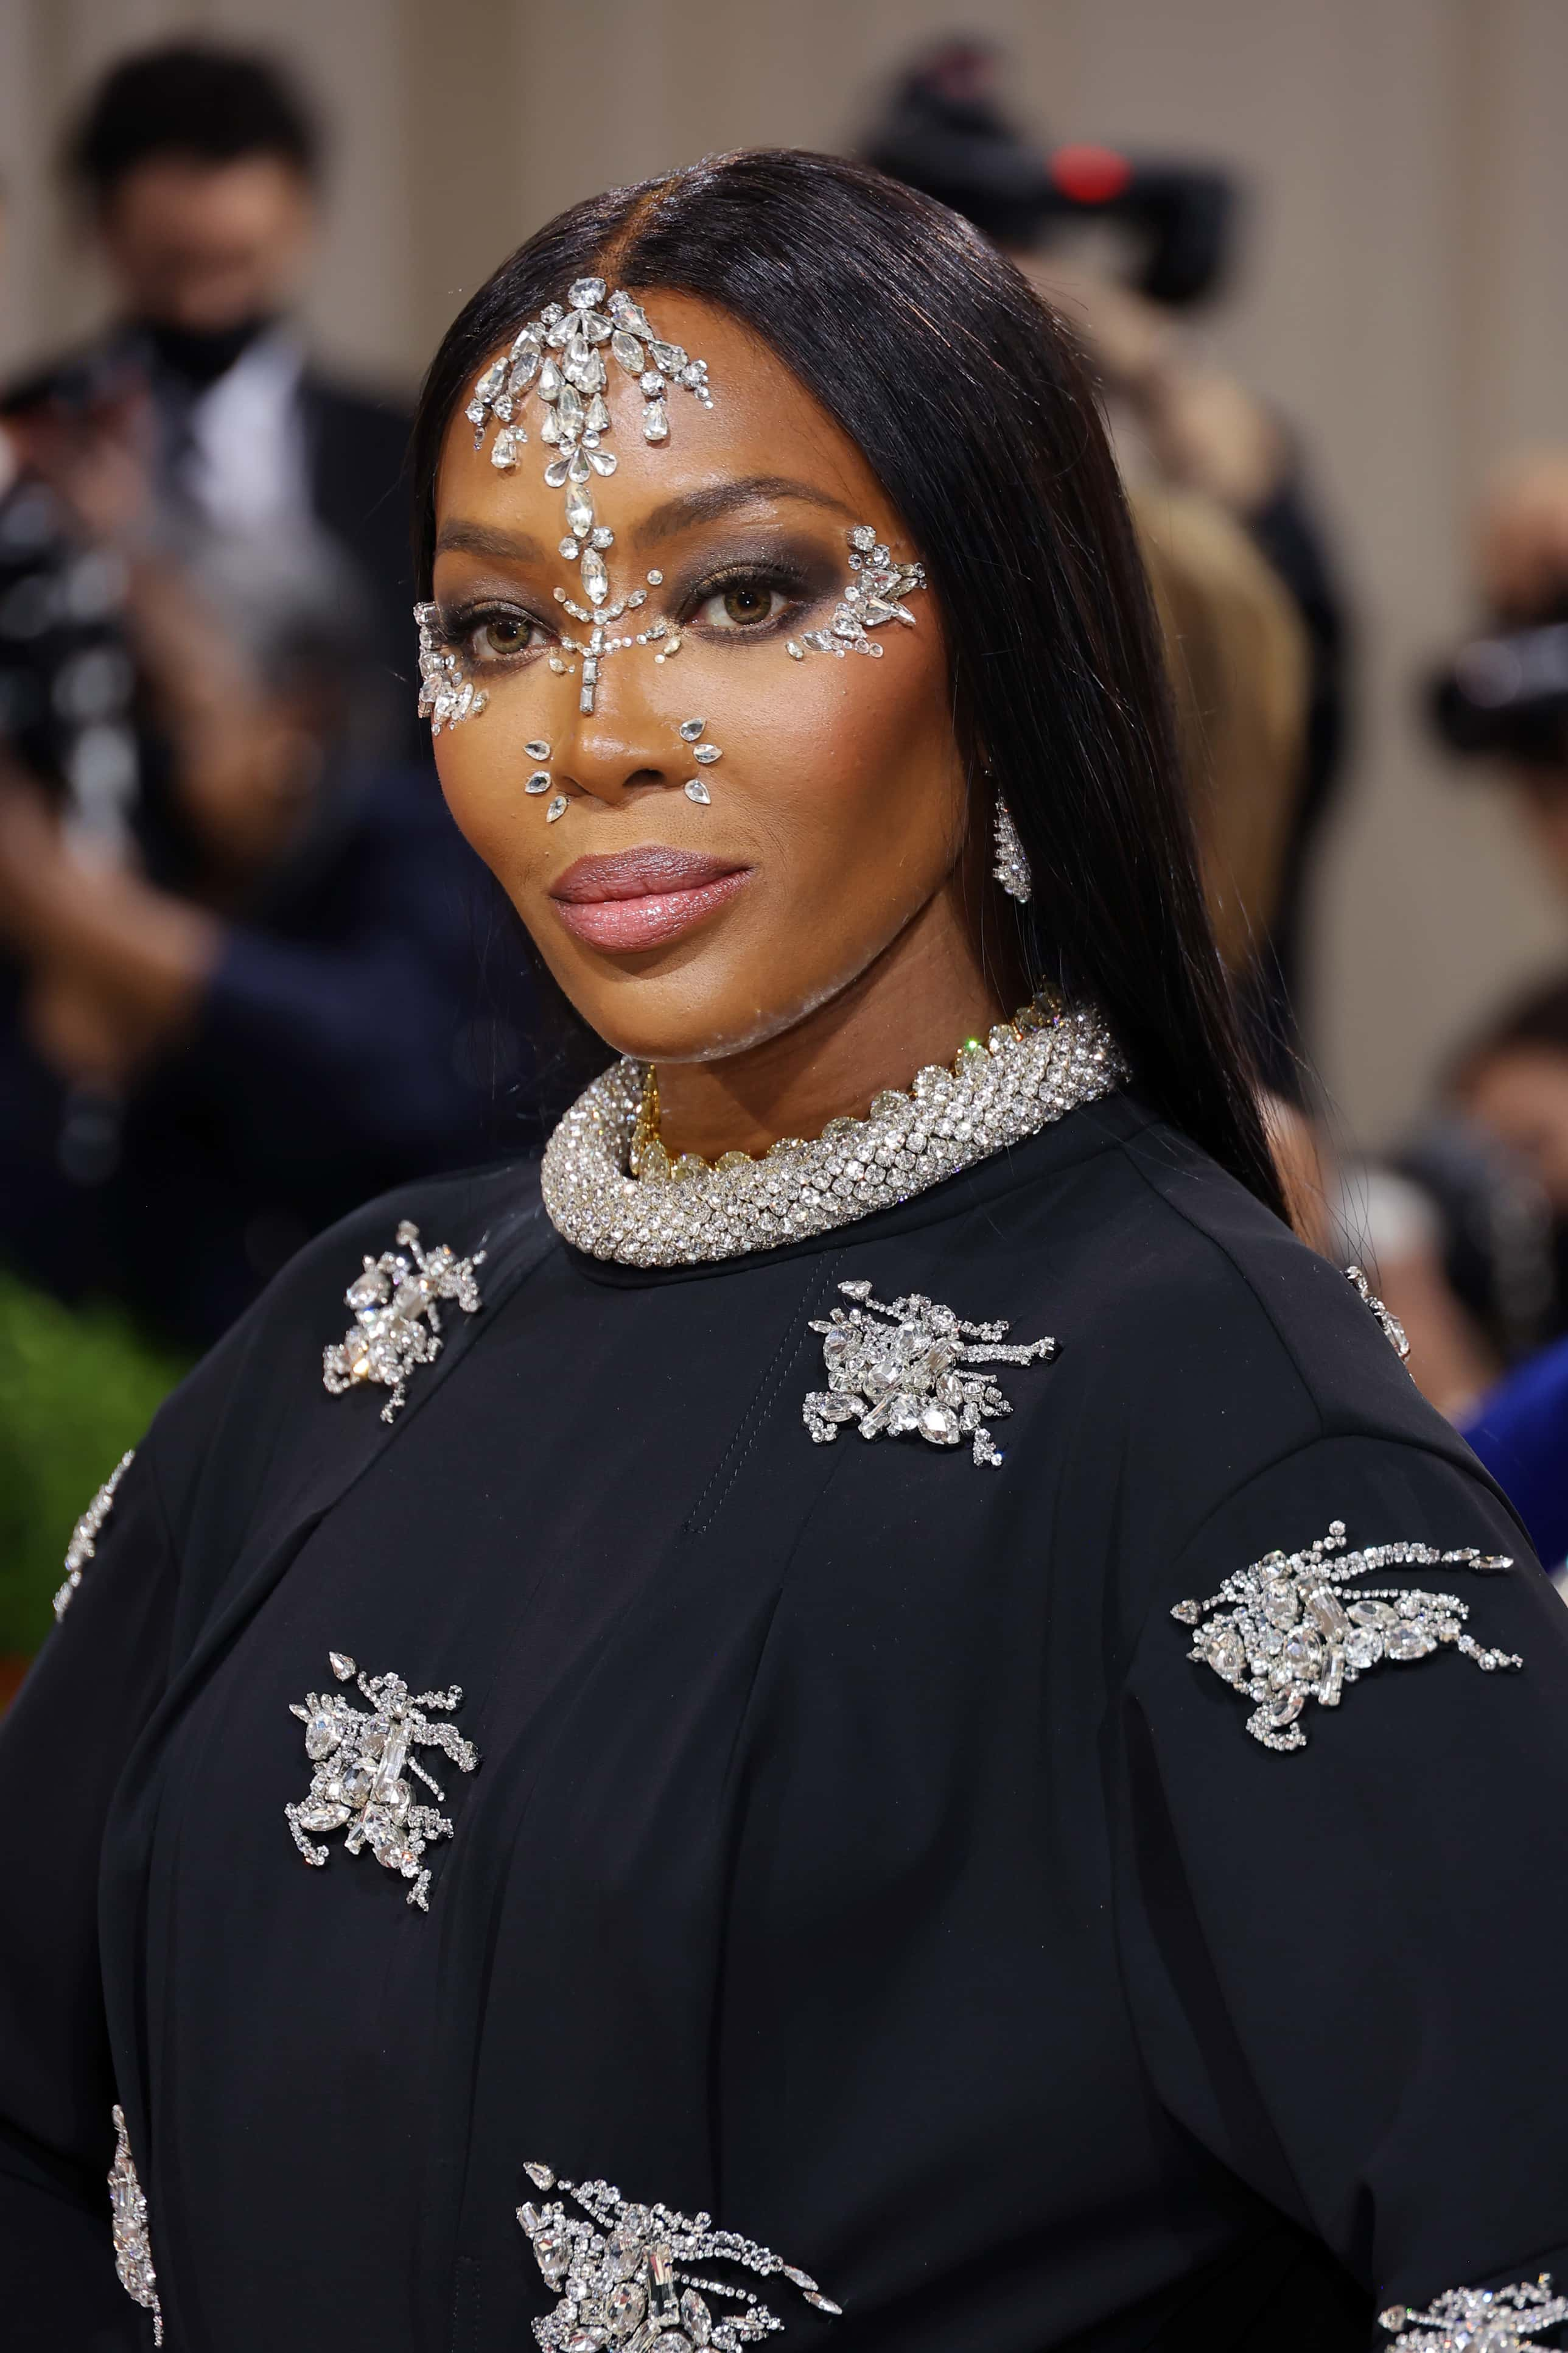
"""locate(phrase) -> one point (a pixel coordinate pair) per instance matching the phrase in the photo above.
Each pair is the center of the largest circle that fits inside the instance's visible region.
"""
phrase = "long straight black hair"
(973, 410)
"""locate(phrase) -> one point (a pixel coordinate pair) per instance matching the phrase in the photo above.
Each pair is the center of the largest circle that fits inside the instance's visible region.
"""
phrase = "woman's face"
(836, 819)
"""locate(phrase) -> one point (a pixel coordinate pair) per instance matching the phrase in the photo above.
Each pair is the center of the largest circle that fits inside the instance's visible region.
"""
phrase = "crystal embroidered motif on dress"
(83, 1545)
(1393, 1329)
(1285, 1631)
(621, 2279)
(132, 2247)
(360, 1761)
(397, 1321)
(1036, 1069)
(1478, 2319)
(908, 1376)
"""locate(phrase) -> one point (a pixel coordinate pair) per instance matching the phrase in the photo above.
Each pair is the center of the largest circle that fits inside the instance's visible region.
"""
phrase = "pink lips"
(643, 898)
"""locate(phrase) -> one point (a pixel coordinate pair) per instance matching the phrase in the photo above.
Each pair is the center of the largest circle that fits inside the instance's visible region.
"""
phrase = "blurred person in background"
(1512, 1083)
(1179, 420)
(1239, 666)
(1477, 1199)
(238, 977)
(199, 170)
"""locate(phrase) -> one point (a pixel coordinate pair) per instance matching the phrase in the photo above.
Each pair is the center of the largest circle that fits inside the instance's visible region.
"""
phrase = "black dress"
(854, 1851)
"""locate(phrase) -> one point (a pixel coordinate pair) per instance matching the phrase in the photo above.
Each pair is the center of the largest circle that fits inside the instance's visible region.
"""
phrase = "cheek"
(850, 761)
(474, 762)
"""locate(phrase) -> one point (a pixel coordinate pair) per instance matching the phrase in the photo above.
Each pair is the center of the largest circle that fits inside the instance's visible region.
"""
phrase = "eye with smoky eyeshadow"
(786, 577)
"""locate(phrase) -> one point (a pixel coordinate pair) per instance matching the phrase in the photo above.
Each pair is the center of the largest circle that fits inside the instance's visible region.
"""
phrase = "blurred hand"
(98, 463)
(1521, 539)
(114, 967)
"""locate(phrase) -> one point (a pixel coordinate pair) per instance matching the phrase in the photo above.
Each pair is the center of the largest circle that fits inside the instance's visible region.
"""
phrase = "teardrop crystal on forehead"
(558, 358)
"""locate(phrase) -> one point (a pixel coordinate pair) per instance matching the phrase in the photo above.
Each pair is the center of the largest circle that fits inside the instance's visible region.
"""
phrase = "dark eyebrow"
(690, 507)
(482, 539)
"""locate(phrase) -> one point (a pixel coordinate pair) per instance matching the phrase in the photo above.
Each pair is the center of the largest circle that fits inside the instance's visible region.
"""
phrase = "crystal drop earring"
(1012, 867)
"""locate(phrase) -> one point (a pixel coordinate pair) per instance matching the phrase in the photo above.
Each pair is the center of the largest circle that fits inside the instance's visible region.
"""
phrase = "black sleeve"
(1344, 1952)
(62, 1750)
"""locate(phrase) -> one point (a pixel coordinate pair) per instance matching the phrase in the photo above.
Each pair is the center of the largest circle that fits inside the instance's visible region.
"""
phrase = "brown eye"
(744, 604)
(502, 635)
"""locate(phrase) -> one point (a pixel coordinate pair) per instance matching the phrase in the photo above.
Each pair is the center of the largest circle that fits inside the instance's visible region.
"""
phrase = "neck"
(920, 1000)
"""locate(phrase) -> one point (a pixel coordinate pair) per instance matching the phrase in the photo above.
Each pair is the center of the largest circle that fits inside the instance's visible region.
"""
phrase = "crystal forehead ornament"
(360, 1764)
(913, 1375)
(558, 359)
(1298, 1627)
(622, 2278)
(1027, 1072)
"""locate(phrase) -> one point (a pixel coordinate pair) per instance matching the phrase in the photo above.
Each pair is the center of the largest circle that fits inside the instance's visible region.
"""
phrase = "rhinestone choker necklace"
(1029, 1071)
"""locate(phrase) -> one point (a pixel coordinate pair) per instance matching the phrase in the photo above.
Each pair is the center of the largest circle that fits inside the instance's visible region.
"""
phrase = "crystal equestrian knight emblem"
(398, 1318)
(621, 2280)
(1293, 1627)
(913, 1373)
(128, 2225)
(362, 1762)
(1477, 2319)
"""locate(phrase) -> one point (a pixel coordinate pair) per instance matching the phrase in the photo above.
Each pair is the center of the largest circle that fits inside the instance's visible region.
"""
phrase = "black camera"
(1506, 697)
(945, 132)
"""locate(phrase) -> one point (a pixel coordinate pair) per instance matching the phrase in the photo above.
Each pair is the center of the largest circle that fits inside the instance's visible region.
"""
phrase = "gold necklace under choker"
(612, 1189)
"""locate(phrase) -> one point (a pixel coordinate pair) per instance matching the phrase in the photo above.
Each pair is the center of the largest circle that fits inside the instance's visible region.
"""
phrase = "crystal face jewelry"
(648, 1210)
(132, 2247)
(1393, 1329)
(1477, 2319)
(876, 597)
(621, 2276)
(1287, 1635)
(907, 1377)
(83, 1545)
(397, 1322)
(559, 357)
(447, 694)
(360, 1763)
(1012, 867)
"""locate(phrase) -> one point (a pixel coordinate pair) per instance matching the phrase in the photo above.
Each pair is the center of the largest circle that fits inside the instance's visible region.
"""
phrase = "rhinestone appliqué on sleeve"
(85, 1534)
(1392, 1330)
(397, 1319)
(133, 2248)
(361, 1762)
(621, 2280)
(1292, 1628)
(1478, 2319)
(913, 1375)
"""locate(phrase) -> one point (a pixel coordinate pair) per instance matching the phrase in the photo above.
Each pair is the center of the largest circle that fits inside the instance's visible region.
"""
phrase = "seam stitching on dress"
(789, 1348)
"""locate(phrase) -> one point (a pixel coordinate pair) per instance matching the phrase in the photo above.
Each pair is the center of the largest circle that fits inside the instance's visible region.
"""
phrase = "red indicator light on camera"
(1091, 175)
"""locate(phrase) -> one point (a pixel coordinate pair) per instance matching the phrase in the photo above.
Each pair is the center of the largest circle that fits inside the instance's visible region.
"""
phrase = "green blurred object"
(77, 1388)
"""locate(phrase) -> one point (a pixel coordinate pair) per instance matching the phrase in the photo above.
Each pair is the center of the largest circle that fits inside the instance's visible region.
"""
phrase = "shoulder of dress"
(1198, 1316)
(267, 1370)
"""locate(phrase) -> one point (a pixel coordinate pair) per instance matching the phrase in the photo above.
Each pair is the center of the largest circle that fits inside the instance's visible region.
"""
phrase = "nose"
(619, 747)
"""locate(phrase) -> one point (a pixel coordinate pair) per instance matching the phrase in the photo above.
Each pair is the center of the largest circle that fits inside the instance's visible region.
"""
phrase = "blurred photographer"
(1171, 230)
(198, 169)
(1503, 698)
(238, 984)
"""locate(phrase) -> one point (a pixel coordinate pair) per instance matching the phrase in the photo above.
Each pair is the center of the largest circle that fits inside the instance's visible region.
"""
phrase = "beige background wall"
(1403, 301)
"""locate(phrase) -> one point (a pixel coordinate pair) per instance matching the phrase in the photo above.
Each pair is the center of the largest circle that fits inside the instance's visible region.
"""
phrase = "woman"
(855, 1845)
